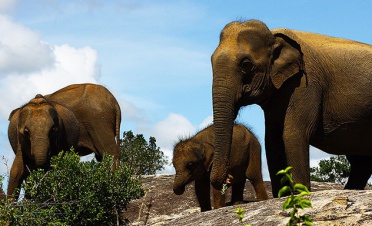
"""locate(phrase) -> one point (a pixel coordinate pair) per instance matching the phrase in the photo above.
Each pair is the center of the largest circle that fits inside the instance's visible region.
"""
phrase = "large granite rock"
(331, 206)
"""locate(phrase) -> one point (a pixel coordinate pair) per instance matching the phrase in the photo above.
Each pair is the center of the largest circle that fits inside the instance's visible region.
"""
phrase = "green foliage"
(336, 169)
(294, 202)
(7, 209)
(75, 193)
(239, 211)
(142, 157)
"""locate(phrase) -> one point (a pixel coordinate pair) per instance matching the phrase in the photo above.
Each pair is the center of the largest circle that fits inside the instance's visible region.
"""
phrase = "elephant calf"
(193, 158)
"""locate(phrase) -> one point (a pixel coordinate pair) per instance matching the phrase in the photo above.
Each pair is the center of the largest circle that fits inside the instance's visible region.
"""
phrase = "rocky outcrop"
(331, 206)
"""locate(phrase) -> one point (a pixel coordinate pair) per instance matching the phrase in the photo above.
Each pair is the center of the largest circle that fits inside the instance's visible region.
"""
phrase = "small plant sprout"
(227, 183)
(294, 201)
(224, 189)
(240, 212)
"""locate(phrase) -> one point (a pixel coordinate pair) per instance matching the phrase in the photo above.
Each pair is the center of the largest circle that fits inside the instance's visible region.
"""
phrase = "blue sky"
(153, 55)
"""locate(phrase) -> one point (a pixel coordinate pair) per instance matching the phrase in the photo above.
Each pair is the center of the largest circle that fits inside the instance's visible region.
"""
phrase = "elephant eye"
(246, 66)
(26, 132)
(189, 165)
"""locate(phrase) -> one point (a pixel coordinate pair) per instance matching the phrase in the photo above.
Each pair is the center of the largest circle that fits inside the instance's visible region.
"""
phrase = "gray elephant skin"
(84, 116)
(313, 89)
(193, 158)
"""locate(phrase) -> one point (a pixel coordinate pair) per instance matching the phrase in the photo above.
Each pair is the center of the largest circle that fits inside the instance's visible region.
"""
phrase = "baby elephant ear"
(286, 60)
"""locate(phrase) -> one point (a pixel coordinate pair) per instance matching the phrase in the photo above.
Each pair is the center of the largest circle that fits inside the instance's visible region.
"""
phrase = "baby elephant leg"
(202, 189)
(260, 189)
(237, 192)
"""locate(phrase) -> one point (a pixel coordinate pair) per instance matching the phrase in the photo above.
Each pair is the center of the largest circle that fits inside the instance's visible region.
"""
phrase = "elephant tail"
(117, 123)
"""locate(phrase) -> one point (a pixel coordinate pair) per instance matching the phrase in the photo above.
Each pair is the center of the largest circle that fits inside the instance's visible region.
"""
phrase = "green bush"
(142, 157)
(76, 193)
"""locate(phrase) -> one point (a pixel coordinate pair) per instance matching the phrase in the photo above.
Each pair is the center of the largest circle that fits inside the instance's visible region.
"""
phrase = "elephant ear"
(208, 150)
(286, 60)
(13, 129)
(69, 126)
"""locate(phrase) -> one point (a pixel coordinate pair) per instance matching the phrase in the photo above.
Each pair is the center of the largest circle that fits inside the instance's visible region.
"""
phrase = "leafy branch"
(293, 201)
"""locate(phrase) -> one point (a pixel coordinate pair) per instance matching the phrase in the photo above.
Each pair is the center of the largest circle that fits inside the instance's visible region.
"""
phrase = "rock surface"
(331, 206)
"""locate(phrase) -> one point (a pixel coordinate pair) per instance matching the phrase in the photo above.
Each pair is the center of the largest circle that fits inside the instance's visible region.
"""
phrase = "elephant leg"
(106, 143)
(218, 199)
(237, 192)
(360, 171)
(275, 155)
(202, 190)
(17, 175)
(254, 174)
(260, 189)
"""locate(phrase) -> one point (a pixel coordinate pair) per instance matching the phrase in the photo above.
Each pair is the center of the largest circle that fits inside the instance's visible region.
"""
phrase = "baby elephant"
(193, 158)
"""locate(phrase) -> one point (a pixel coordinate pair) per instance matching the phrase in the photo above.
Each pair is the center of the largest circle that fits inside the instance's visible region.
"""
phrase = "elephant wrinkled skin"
(84, 116)
(193, 157)
(314, 90)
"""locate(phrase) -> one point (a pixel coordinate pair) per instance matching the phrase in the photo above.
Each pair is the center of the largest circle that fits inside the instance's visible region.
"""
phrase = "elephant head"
(41, 129)
(192, 160)
(249, 64)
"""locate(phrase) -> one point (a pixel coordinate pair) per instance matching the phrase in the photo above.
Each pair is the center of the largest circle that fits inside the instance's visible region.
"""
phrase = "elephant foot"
(238, 202)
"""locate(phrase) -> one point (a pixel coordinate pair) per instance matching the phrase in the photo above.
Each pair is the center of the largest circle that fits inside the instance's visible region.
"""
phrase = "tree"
(336, 169)
(143, 157)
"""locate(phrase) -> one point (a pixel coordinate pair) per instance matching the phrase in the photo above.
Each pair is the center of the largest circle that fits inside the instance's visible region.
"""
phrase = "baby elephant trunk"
(179, 184)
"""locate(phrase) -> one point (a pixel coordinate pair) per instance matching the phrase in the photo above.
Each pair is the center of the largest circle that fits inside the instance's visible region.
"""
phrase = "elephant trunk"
(179, 184)
(40, 152)
(224, 114)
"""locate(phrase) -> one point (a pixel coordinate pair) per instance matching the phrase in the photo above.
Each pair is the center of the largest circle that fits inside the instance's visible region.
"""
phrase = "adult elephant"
(314, 90)
(84, 116)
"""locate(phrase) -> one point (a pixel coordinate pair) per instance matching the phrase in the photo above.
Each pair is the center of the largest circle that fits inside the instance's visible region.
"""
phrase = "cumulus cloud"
(168, 131)
(6, 5)
(21, 50)
(70, 65)
(206, 122)
(316, 155)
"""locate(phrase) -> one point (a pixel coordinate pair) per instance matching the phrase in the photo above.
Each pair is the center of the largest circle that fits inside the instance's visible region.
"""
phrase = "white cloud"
(171, 129)
(168, 131)
(316, 155)
(71, 65)
(206, 122)
(6, 5)
(21, 50)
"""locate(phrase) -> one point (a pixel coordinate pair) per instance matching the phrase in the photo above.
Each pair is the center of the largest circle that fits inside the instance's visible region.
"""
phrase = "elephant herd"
(313, 89)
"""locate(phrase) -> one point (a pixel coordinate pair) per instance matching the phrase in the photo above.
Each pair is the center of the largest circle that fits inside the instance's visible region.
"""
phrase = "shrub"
(76, 193)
